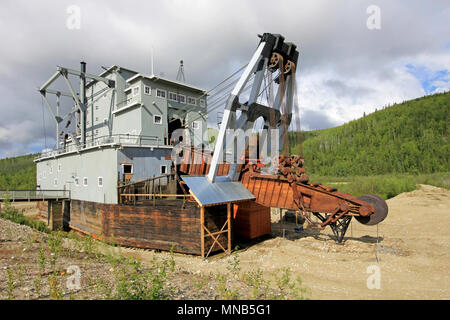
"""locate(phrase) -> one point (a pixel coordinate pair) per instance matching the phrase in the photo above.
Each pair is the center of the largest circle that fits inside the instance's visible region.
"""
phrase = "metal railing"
(31, 195)
(129, 139)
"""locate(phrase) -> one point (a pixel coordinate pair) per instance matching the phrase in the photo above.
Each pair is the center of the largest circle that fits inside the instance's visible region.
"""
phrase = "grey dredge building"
(123, 126)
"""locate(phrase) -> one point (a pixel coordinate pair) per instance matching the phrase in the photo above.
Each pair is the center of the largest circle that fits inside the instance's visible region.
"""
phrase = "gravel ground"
(26, 271)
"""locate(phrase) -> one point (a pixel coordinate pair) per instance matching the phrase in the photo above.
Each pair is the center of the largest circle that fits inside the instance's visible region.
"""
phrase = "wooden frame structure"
(215, 235)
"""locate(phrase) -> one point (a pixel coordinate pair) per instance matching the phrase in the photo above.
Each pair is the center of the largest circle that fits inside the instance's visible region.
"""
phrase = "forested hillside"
(18, 173)
(411, 137)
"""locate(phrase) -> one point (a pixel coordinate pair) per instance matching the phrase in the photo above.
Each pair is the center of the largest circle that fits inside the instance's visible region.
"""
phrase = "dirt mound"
(410, 249)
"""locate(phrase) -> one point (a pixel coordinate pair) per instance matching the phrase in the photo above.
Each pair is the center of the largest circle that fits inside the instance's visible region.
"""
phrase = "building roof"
(172, 82)
(110, 69)
(150, 77)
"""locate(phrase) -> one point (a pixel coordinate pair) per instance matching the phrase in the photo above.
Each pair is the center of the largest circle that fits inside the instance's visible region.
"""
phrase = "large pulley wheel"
(381, 210)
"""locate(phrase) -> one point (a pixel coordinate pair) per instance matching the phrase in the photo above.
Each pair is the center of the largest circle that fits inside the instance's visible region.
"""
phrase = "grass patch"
(10, 213)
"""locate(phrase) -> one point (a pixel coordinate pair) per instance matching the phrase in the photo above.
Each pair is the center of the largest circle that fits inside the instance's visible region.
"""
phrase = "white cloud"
(344, 70)
(342, 99)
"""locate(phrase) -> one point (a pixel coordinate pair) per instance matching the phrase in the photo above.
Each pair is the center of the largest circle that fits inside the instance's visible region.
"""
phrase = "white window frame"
(77, 181)
(135, 93)
(55, 182)
(100, 179)
(160, 169)
(194, 103)
(51, 170)
(194, 124)
(179, 100)
(162, 91)
(85, 182)
(59, 167)
(202, 102)
(154, 119)
(172, 99)
(149, 90)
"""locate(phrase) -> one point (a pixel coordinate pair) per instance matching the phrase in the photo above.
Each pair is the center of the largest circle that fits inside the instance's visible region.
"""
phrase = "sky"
(355, 56)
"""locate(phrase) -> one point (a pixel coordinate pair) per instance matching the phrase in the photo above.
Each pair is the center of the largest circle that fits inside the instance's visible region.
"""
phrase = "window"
(96, 119)
(55, 182)
(157, 119)
(96, 107)
(163, 169)
(135, 91)
(196, 125)
(59, 167)
(202, 102)
(127, 168)
(96, 132)
(172, 96)
(77, 182)
(147, 90)
(51, 169)
(191, 101)
(85, 181)
(161, 93)
(181, 98)
(100, 181)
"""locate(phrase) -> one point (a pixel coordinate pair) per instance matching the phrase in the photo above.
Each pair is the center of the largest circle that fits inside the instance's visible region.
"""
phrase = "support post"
(229, 226)
(58, 102)
(55, 215)
(83, 102)
(281, 221)
(202, 231)
(229, 112)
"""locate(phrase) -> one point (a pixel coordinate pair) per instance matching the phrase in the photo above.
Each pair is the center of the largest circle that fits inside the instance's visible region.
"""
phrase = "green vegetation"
(411, 137)
(18, 173)
(10, 213)
(386, 186)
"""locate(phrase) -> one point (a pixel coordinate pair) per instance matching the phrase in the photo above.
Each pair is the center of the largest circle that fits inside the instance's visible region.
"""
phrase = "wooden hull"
(146, 226)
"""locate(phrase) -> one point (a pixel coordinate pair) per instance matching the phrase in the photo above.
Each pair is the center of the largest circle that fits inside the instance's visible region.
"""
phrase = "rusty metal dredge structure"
(286, 184)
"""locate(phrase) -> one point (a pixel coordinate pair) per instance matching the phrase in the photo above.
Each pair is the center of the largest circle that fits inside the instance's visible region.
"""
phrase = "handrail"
(121, 138)
(34, 194)
(154, 195)
(147, 180)
(33, 190)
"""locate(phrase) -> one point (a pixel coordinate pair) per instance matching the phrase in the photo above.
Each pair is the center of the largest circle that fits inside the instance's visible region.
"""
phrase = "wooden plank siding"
(150, 227)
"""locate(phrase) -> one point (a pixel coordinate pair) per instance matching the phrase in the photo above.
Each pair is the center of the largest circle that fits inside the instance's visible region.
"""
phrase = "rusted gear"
(289, 66)
(274, 61)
